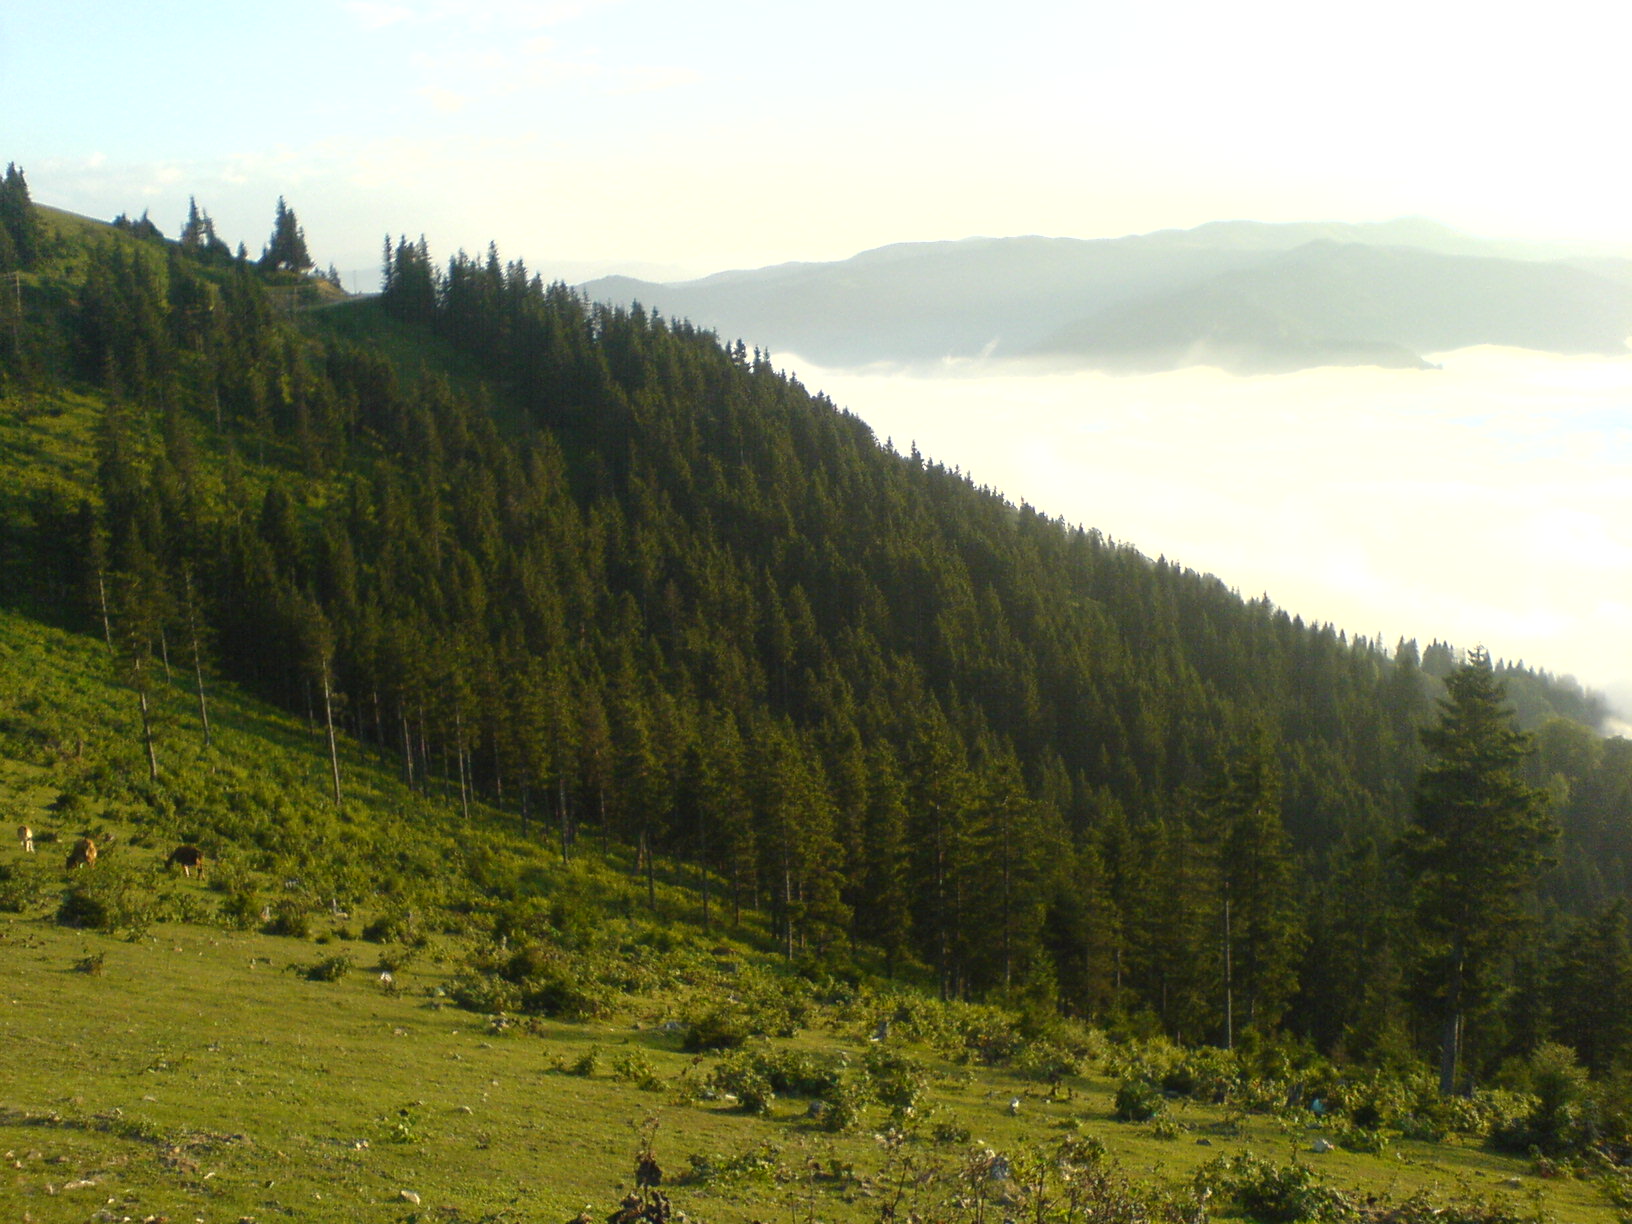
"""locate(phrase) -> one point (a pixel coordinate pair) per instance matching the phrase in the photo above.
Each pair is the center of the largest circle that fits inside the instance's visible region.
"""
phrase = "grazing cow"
(83, 854)
(189, 858)
(25, 838)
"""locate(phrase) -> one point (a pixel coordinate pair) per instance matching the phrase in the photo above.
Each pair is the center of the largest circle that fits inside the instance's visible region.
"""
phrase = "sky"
(670, 140)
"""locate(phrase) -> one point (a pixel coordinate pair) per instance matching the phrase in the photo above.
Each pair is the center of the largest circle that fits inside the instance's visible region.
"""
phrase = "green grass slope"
(171, 1058)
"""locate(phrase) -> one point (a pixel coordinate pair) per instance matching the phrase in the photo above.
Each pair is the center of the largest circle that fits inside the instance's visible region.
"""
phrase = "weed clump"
(330, 969)
(631, 1066)
(91, 964)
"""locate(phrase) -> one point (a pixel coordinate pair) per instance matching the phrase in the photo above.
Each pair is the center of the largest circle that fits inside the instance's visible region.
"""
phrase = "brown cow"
(189, 858)
(25, 838)
(83, 854)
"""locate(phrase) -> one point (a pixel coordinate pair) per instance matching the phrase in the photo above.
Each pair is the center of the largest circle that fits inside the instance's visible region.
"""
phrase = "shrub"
(761, 1162)
(396, 926)
(897, 1081)
(1045, 1061)
(775, 1006)
(1354, 1138)
(484, 992)
(585, 1064)
(1423, 1208)
(537, 980)
(631, 1066)
(1272, 1193)
(1562, 1120)
(1164, 1126)
(560, 994)
(331, 969)
(1138, 1100)
(845, 1101)
(107, 899)
(742, 1076)
(797, 1074)
(721, 1025)
(290, 918)
(19, 890)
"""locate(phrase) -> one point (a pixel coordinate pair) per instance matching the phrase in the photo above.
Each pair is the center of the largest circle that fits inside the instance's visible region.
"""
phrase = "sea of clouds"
(1485, 502)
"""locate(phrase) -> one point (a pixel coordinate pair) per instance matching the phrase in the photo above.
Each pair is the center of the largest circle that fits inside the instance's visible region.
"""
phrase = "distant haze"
(1244, 296)
(1485, 502)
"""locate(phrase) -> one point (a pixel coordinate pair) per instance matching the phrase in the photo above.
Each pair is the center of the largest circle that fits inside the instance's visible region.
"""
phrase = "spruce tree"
(1259, 923)
(286, 251)
(1479, 840)
(19, 224)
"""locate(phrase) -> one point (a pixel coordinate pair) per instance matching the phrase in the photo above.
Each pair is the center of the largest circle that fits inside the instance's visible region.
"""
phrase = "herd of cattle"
(188, 857)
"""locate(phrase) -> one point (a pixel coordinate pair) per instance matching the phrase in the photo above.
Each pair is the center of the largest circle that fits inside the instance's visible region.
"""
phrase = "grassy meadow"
(170, 1059)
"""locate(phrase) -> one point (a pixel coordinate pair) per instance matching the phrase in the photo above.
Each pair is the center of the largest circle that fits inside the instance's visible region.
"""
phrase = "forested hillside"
(629, 583)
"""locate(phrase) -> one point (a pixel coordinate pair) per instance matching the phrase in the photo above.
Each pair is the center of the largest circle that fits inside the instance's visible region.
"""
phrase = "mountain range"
(1245, 296)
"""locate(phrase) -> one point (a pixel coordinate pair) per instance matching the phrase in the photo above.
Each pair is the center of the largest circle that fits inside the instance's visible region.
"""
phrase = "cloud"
(1483, 502)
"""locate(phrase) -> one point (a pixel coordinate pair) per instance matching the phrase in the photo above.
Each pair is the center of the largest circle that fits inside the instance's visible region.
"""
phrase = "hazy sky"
(587, 135)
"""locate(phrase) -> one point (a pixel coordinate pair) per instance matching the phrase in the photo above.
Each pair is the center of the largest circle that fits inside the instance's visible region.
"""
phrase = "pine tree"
(286, 250)
(1591, 989)
(1260, 927)
(1479, 841)
(20, 239)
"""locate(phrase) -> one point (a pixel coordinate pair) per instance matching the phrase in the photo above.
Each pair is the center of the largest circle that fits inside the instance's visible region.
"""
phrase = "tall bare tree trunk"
(147, 723)
(1229, 985)
(407, 749)
(459, 752)
(198, 659)
(564, 816)
(561, 820)
(1450, 1049)
(702, 862)
(102, 598)
(328, 718)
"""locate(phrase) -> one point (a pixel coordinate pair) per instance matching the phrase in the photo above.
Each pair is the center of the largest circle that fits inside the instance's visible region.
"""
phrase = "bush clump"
(18, 891)
(844, 1104)
(1563, 1119)
(1273, 1193)
(721, 1025)
(290, 918)
(631, 1066)
(536, 979)
(330, 969)
(107, 899)
(897, 1081)
(1138, 1100)
(741, 1076)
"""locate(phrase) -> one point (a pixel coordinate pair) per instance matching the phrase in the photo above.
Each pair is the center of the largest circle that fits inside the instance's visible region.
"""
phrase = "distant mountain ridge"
(1250, 297)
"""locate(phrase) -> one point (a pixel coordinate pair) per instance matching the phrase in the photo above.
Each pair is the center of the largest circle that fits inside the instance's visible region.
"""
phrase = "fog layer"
(1488, 501)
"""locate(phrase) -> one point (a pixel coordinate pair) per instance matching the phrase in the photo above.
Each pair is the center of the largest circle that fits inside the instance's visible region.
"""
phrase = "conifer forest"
(624, 581)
